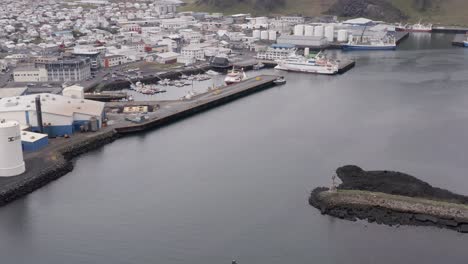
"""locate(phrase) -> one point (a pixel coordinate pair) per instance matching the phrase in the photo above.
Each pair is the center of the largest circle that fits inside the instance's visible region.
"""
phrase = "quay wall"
(54, 164)
(192, 111)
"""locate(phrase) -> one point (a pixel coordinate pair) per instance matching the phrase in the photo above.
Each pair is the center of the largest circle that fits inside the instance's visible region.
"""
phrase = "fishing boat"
(235, 76)
(258, 66)
(317, 64)
(415, 27)
(386, 42)
(366, 43)
(280, 80)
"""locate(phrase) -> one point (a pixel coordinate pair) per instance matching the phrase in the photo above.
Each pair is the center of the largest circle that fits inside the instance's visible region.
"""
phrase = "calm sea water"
(233, 182)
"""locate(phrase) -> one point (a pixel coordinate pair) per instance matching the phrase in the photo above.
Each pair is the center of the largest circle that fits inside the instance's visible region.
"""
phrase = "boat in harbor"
(280, 80)
(235, 76)
(317, 64)
(415, 27)
(367, 43)
(258, 66)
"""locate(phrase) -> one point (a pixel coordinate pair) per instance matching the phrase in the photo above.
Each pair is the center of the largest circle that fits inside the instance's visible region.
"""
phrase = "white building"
(60, 114)
(30, 74)
(167, 57)
(276, 52)
(303, 41)
(292, 19)
(195, 51)
(114, 60)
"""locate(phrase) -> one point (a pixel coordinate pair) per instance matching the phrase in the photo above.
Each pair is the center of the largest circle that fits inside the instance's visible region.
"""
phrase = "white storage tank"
(11, 152)
(306, 52)
(309, 30)
(318, 31)
(264, 34)
(256, 34)
(330, 33)
(299, 30)
(342, 35)
(272, 35)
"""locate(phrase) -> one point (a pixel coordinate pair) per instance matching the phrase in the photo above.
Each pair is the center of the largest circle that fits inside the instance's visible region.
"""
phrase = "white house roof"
(9, 92)
(28, 136)
(167, 55)
(53, 104)
(358, 21)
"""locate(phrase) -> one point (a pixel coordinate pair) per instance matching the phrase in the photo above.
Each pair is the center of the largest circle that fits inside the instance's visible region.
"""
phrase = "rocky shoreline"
(43, 170)
(391, 198)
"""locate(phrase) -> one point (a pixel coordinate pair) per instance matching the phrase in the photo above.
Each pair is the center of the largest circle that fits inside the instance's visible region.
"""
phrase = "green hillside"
(453, 12)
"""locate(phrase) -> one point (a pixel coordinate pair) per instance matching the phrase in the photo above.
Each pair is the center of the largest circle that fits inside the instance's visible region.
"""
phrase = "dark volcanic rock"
(375, 9)
(391, 182)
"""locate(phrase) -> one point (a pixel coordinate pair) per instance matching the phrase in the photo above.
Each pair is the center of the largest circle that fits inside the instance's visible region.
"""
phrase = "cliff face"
(374, 9)
(262, 5)
(438, 11)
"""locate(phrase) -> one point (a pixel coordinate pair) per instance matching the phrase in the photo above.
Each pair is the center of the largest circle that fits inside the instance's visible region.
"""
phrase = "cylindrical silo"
(342, 35)
(11, 152)
(308, 30)
(306, 52)
(318, 31)
(264, 34)
(330, 33)
(299, 30)
(256, 34)
(272, 35)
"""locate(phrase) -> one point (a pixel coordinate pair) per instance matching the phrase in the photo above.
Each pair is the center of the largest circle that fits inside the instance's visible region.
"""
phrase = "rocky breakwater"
(391, 198)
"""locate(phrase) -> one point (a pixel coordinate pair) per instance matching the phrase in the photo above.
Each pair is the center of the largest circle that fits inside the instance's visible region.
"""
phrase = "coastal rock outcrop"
(391, 198)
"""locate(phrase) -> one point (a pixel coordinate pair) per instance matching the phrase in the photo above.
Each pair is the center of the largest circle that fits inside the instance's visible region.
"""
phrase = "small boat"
(178, 84)
(164, 82)
(280, 80)
(235, 76)
(213, 73)
(258, 66)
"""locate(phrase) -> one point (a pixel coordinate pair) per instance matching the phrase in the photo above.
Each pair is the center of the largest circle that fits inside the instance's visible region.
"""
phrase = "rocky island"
(391, 198)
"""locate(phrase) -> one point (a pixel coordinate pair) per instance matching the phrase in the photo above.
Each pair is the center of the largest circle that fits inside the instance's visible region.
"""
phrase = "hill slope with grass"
(437, 11)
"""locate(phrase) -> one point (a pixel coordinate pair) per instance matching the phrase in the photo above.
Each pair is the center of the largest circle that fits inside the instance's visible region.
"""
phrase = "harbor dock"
(458, 40)
(55, 159)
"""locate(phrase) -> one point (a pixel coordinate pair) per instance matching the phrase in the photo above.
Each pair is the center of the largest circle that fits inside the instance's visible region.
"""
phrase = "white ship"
(235, 76)
(415, 28)
(318, 64)
(367, 43)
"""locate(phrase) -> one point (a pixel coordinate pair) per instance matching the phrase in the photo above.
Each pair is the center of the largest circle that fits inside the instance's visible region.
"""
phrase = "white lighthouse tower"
(11, 153)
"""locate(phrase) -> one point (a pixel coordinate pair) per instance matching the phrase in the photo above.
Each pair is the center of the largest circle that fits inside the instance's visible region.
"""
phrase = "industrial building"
(30, 74)
(303, 41)
(54, 115)
(31, 141)
(11, 153)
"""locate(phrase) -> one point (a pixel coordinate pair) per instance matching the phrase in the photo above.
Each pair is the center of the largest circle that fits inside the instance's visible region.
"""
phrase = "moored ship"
(235, 76)
(414, 28)
(318, 64)
(366, 43)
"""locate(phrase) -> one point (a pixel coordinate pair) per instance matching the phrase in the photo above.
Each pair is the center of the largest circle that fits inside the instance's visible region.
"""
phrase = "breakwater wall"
(384, 213)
